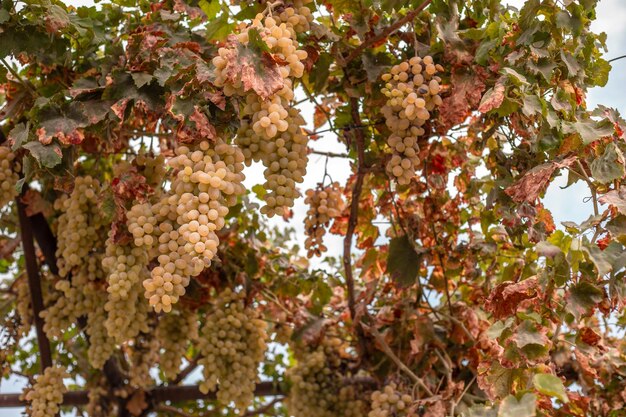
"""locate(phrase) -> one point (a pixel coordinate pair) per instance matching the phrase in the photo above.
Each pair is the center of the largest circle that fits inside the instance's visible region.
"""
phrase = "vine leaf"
(493, 98)
(403, 263)
(616, 198)
(609, 166)
(466, 95)
(590, 130)
(533, 183)
(506, 297)
(582, 298)
(47, 156)
(550, 385)
(524, 407)
(254, 66)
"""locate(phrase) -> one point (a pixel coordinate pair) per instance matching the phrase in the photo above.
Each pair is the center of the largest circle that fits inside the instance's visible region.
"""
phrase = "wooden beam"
(34, 284)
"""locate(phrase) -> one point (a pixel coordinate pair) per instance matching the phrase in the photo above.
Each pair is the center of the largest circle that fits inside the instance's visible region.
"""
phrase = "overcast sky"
(564, 204)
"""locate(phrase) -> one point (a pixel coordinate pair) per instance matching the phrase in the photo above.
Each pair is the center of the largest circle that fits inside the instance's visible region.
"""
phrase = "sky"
(565, 204)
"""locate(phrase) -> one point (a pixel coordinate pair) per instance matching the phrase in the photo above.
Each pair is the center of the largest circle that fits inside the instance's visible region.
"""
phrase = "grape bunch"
(296, 16)
(174, 332)
(232, 344)
(8, 176)
(412, 90)
(144, 354)
(75, 298)
(23, 305)
(325, 204)
(46, 395)
(179, 229)
(126, 312)
(389, 402)
(271, 128)
(152, 167)
(285, 159)
(81, 226)
(101, 345)
(317, 387)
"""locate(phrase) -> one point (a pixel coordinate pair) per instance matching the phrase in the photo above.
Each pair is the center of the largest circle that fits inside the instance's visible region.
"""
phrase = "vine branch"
(386, 32)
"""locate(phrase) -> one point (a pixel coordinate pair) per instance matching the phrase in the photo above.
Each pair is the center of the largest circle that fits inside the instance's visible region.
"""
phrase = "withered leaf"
(506, 297)
(534, 182)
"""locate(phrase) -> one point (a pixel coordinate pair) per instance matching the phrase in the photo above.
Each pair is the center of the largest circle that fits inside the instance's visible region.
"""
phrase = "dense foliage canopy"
(133, 254)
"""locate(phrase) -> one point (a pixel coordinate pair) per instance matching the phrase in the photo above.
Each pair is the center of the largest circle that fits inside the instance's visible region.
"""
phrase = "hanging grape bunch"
(8, 176)
(412, 91)
(390, 402)
(325, 204)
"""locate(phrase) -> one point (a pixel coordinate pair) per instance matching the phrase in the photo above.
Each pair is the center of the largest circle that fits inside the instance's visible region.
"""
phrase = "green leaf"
(19, 135)
(4, 16)
(512, 407)
(609, 166)
(210, 8)
(219, 28)
(403, 263)
(517, 78)
(573, 67)
(532, 105)
(598, 73)
(551, 385)
(47, 156)
(141, 78)
(582, 298)
(590, 130)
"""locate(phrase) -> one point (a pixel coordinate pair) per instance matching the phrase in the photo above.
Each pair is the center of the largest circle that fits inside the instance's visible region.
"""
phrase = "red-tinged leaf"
(313, 55)
(218, 99)
(467, 90)
(588, 336)
(8, 246)
(203, 126)
(615, 198)
(35, 203)
(506, 297)
(588, 372)
(534, 182)
(545, 216)
(493, 98)
(119, 108)
(256, 69)
(137, 403)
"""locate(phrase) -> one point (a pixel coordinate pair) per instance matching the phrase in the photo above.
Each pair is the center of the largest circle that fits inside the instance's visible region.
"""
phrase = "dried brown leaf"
(506, 297)
(534, 182)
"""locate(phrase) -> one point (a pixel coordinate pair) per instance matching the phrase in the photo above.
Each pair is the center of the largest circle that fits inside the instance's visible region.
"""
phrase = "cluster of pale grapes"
(99, 405)
(174, 332)
(74, 298)
(232, 344)
(271, 128)
(179, 229)
(318, 389)
(8, 176)
(285, 159)
(390, 403)
(325, 204)
(46, 395)
(296, 16)
(126, 310)
(145, 353)
(412, 91)
(153, 168)
(80, 226)
(101, 345)
(23, 305)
